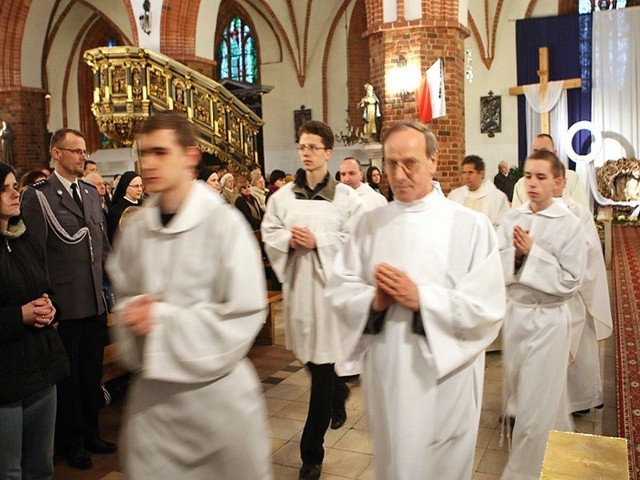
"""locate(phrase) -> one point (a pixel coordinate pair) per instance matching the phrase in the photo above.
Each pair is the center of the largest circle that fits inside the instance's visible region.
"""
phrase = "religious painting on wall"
(491, 114)
(299, 117)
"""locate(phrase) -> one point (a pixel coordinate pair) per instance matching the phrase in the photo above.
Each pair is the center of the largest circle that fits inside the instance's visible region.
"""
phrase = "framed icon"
(491, 114)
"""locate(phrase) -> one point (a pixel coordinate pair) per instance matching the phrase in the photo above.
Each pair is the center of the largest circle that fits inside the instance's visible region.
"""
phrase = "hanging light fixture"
(145, 18)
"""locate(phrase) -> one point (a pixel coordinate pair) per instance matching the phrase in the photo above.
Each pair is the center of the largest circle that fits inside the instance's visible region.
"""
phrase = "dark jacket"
(75, 270)
(251, 210)
(31, 359)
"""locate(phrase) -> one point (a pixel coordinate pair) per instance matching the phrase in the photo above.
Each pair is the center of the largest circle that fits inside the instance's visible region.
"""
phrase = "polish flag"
(430, 94)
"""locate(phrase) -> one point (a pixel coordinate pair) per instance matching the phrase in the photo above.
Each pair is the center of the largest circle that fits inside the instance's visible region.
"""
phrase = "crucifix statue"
(543, 75)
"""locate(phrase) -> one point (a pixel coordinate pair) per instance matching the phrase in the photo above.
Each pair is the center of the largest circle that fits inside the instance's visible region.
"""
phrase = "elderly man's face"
(409, 170)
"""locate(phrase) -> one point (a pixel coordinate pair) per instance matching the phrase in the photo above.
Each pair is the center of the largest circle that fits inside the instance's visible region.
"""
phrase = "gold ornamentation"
(130, 83)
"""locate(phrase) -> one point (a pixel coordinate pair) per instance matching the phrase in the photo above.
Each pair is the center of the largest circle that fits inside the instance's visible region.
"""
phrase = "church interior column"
(421, 41)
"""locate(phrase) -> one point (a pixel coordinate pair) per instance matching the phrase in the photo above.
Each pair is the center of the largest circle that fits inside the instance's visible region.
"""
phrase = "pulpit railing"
(130, 83)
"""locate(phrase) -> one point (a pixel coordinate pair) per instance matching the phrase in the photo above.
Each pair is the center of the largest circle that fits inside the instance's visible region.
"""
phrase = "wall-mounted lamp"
(145, 18)
(403, 79)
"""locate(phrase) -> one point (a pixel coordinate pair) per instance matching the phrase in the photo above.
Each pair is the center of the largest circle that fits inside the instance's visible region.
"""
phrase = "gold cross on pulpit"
(543, 75)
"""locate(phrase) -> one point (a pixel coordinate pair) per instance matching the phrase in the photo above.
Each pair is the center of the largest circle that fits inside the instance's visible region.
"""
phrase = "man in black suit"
(64, 215)
(503, 181)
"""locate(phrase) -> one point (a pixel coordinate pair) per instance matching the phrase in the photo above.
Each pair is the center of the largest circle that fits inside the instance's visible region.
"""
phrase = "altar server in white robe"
(186, 318)
(479, 194)
(419, 288)
(304, 227)
(543, 256)
(574, 188)
(591, 318)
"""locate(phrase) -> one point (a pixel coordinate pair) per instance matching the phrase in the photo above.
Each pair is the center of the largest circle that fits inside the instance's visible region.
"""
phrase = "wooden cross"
(543, 75)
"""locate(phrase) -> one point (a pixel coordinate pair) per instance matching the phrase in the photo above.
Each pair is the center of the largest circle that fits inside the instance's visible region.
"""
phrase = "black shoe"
(581, 413)
(78, 458)
(309, 471)
(96, 445)
(338, 419)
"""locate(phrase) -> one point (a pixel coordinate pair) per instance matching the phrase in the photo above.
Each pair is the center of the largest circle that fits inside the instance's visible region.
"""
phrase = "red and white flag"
(430, 94)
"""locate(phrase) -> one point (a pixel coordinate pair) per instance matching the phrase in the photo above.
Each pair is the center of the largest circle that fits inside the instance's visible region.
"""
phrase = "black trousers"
(79, 395)
(328, 392)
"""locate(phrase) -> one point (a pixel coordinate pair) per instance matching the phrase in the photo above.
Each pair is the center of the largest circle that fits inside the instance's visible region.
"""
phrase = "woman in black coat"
(32, 357)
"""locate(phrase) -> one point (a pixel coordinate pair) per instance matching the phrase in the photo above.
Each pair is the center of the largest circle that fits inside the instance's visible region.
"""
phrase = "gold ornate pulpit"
(130, 83)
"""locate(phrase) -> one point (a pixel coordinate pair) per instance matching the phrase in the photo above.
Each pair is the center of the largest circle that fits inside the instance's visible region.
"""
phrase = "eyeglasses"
(312, 148)
(135, 186)
(77, 151)
(408, 167)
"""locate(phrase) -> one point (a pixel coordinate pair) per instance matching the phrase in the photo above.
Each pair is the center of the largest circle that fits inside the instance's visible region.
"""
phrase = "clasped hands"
(394, 286)
(137, 315)
(522, 241)
(39, 312)
(302, 237)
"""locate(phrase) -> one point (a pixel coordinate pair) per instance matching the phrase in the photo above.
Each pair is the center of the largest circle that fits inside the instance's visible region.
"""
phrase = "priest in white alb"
(351, 174)
(479, 194)
(418, 287)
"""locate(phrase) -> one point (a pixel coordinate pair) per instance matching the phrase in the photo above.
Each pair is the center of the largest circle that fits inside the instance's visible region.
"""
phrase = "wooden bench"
(267, 335)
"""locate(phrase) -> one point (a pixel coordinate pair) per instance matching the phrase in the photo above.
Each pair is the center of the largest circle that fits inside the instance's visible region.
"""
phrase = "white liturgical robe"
(584, 383)
(491, 201)
(310, 327)
(370, 198)
(195, 408)
(536, 331)
(423, 392)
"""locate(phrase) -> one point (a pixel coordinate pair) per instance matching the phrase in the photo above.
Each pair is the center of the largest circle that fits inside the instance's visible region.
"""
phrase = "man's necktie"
(76, 195)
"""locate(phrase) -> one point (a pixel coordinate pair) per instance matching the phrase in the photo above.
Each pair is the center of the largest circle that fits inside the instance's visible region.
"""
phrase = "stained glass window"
(588, 6)
(237, 55)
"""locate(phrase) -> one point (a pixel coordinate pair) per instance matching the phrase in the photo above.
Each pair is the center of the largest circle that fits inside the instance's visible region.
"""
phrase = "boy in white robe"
(305, 224)
(592, 321)
(574, 187)
(479, 194)
(543, 257)
(419, 289)
(186, 319)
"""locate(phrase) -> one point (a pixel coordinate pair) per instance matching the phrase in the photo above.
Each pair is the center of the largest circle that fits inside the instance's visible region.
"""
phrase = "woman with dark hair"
(127, 193)
(32, 357)
(31, 177)
(374, 177)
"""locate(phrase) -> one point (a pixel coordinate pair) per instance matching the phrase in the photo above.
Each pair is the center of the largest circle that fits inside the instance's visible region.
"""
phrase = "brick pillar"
(24, 110)
(437, 34)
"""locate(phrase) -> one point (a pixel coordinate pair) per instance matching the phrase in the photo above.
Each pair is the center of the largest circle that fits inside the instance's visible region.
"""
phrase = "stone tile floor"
(349, 449)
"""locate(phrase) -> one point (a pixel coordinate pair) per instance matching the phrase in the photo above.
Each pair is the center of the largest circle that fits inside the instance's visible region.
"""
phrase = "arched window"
(237, 55)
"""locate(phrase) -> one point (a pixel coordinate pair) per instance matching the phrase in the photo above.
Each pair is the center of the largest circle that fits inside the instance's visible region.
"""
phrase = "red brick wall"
(24, 111)
(358, 55)
(437, 34)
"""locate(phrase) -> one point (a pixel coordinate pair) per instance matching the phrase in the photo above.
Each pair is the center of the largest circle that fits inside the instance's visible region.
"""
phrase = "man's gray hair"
(429, 137)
